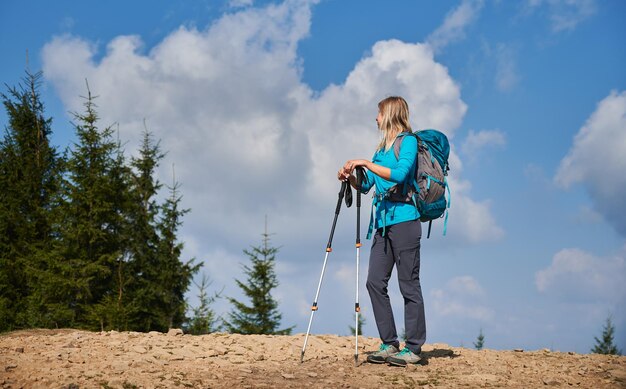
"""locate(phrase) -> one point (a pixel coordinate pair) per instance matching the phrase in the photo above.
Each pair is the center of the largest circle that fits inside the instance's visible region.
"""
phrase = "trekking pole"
(344, 189)
(357, 309)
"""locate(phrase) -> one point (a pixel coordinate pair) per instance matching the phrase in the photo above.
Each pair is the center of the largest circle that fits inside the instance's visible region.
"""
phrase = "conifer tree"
(606, 345)
(114, 310)
(174, 276)
(30, 174)
(144, 243)
(360, 324)
(262, 315)
(480, 340)
(94, 226)
(204, 320)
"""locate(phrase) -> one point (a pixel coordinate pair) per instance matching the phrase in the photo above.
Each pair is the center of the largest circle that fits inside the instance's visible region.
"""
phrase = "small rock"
(175, 332)
(519, 350)
(19, 349)
(311, 374)
(10, 367)
(288, 376)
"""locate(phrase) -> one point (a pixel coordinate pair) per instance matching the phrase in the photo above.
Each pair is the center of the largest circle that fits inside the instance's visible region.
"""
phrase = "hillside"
(79, 359)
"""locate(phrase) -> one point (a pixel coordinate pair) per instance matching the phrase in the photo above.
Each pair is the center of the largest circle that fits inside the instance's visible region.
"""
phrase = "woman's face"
(379, 119)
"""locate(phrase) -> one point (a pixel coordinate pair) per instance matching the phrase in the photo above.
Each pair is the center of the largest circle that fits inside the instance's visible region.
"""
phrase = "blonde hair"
(395, 119)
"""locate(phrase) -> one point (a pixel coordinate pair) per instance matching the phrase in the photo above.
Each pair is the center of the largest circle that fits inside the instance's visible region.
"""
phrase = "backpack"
(427, 189)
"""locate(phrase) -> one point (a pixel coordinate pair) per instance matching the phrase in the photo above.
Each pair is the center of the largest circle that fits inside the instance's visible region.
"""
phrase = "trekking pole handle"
(359, 181)
(342, 191)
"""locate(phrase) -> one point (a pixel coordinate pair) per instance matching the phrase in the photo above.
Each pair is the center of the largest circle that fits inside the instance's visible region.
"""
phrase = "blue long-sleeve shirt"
(387, 212)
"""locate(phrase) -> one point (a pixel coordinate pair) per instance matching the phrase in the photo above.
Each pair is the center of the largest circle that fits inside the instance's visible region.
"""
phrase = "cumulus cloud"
(565, 15)
(576, 275)
(453, 27)
(222, 100)
(347, 112)
(462, 297)
(596, 160)
(249, 138)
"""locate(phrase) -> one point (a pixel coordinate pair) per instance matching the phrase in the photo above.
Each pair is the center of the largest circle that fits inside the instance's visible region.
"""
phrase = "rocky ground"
(77, 359)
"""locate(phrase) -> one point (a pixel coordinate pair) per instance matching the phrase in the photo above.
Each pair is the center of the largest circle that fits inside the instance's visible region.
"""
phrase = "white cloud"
(462, 297)
(342, 121)
(469, 221)
(576, 275)
(249, 138)
(454, 25)
(477, 141)
(565, 15)
(596, 160)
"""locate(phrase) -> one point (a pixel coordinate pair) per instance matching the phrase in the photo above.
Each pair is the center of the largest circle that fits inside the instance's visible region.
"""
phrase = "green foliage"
(83, 241)
(480, 340)
(204, 320)
(360, 324)
(262, 316)
(606, 345)
(94, 227)
(174, 276)
(30, 174)
(143, 239)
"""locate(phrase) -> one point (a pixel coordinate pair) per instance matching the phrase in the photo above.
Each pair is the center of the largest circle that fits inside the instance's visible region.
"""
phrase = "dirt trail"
(79, 359)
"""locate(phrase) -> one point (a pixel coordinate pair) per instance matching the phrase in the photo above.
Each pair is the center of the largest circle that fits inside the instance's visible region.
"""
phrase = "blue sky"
(279, 94)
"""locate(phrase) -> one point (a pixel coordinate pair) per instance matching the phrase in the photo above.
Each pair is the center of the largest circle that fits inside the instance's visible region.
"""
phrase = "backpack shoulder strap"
(398, 142)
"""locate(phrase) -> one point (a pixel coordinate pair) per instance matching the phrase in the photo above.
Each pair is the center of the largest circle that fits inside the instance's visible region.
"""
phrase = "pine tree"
(480, 341)
(360, 324)
(143, 260)
(606, 345)
(174, 275)
(90, 265)
(262, 316)
(30, 175)
(115, 309)
(204, 320)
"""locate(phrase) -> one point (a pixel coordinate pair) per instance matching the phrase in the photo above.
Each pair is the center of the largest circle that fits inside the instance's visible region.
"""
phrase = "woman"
(397, 235)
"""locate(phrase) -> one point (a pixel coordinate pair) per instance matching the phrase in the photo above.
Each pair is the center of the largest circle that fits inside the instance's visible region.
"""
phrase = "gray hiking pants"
(400, 247)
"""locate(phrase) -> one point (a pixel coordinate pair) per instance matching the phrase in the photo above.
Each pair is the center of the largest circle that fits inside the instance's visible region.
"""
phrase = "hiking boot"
(385, 351)
(403, 358)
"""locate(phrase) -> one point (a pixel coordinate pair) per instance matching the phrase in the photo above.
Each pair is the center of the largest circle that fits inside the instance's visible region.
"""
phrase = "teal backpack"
(427, 189)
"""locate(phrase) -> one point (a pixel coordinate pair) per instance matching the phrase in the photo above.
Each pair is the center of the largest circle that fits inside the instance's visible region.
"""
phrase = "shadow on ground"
(437, 353)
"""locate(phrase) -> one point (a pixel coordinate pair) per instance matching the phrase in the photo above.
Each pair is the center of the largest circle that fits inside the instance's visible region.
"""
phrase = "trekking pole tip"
(301, 356)
(356, 360)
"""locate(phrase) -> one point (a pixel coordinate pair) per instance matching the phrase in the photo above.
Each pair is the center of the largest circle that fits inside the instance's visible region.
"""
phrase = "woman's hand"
(353, 163)
(345, 173)
(342, 175)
